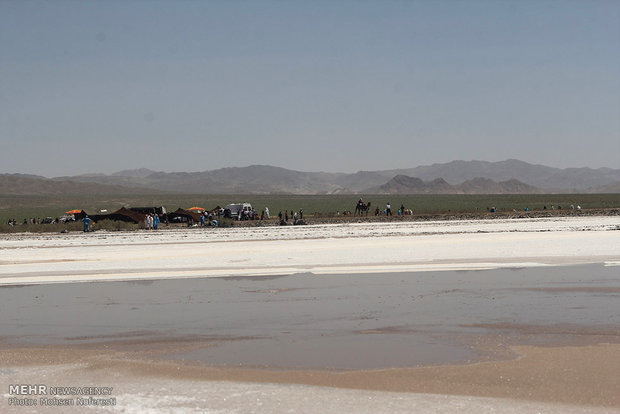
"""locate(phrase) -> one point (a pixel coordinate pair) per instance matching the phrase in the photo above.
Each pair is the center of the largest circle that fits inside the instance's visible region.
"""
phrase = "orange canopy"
(196, 208)
(73, 212)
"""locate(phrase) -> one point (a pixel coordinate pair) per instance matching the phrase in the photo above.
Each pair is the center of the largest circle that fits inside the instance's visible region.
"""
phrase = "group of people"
(208, 219)
(249, 214)
(151, 221)
(47, 220)
(402, 211)
(295, 216)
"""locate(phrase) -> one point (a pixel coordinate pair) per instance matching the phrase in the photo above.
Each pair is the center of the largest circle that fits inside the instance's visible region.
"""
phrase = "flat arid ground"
(508, 315)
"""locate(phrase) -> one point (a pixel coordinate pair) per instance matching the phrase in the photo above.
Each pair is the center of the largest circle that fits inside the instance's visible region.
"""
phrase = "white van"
(236, 207)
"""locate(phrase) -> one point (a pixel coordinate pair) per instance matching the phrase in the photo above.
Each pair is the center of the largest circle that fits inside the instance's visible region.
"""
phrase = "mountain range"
(456, 177)
(402, 184)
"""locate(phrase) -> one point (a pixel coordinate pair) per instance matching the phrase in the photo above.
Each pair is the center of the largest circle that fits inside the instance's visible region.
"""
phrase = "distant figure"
(388, 209)
(156, 221)
(301, 214)
(280, 215)
(286, 215)
(267, 213)
(86, 220)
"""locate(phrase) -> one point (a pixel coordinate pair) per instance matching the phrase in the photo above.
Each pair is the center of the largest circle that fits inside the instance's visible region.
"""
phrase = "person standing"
(86, 220)
(388, 209)
(156, 221)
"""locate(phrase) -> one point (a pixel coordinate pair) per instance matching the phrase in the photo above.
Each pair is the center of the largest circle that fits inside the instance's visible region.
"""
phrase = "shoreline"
(575, 376)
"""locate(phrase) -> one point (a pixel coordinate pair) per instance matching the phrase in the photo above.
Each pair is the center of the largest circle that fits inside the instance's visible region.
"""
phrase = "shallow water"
(347, 321)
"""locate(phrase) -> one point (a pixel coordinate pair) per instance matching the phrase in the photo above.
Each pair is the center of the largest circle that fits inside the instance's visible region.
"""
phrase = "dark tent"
(123, 214)
(183, 216)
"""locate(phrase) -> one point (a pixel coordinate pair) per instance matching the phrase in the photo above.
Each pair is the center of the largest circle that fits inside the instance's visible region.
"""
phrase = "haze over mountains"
(456, 177)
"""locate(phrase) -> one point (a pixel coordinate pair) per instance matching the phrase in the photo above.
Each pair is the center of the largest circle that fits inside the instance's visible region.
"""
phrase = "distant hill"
(487, 186)
(402, 184)
(610, 188)
(140, 172)
(548, 178)
(467, 177)
(19, 184)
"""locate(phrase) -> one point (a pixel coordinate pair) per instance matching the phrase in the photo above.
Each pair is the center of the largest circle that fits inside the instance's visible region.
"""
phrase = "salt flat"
(342, 248)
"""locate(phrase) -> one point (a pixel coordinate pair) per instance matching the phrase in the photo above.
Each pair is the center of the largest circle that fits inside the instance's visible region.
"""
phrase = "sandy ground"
(539, 340)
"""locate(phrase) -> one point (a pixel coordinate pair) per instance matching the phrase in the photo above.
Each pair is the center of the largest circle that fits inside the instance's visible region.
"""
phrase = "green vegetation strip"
(22, 207)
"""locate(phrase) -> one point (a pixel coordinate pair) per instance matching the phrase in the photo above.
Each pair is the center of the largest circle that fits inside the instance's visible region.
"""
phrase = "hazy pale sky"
(101, 86)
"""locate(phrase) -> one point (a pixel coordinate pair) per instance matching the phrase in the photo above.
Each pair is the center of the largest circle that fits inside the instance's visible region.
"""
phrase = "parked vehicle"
(232, 210)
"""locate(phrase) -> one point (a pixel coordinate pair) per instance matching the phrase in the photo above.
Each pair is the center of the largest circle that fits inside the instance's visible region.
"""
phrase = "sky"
(338, 86)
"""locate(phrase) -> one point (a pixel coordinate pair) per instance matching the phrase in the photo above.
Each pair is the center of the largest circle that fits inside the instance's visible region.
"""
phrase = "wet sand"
(524, 338)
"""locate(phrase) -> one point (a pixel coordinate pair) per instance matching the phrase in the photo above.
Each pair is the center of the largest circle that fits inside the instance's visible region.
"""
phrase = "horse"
(361, 207)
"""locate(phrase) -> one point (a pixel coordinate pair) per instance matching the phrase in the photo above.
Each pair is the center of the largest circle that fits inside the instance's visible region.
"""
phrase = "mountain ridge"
(402, 184)
(25, 185)
(266, 179)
